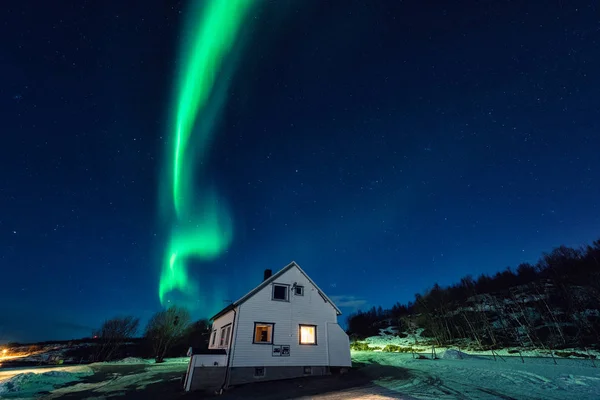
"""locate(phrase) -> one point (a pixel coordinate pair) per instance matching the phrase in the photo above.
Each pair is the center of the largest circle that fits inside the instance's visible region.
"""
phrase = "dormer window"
(280, 292)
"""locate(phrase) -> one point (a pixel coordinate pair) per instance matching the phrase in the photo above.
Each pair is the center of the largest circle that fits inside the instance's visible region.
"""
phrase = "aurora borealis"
(171, 152)
(200, 223)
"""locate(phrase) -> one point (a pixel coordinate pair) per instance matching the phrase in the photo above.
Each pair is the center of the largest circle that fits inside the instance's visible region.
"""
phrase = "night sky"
(383, 145)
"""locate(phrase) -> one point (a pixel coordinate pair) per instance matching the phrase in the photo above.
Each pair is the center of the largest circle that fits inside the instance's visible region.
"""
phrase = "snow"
(421, 344)
(452, 354)
(477, 378)
(26, 382)
(132, 360)
(456, 374)
(149, 372)
(388, 336)
(135, 360)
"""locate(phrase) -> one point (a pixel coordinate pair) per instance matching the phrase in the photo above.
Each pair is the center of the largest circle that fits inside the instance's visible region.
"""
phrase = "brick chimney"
(267, 274)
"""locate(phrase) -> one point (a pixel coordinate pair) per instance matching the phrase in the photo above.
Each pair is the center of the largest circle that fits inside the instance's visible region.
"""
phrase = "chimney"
(268, 274)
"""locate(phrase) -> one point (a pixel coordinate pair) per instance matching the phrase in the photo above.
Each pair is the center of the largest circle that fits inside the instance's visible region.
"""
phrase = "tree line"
(169, 332)
(554, 303)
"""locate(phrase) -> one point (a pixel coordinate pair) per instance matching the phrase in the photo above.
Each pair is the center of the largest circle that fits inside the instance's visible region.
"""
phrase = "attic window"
(299, 290)
(280, 292)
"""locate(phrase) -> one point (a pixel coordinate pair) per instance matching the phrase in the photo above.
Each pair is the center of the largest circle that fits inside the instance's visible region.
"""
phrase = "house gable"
(269, 282)
(308, 307)
(221, 335)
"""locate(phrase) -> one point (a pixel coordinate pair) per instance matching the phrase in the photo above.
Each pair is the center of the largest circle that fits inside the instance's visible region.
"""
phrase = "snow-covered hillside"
(390, 340)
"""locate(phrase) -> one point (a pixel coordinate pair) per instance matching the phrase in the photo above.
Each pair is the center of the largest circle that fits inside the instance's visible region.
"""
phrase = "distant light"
(4, 351)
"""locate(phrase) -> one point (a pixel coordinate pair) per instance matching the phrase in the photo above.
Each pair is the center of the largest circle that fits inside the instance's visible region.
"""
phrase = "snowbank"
(146, 361)
(453, 354)
(389, 336)
(116, 382)
(422, 344)
(132, 360)
(29, 383)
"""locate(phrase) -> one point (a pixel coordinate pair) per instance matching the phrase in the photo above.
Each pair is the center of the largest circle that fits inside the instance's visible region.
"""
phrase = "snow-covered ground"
(27, 382)
(455, 375)
(461, 376)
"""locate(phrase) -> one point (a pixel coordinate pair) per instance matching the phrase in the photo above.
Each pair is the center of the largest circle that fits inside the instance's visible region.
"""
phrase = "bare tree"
(113, 333)
(164, 328)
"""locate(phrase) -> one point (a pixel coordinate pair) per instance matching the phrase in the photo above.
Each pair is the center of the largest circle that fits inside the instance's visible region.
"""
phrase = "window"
(222, 340)
(308, 334)
(280, 292)
(227, 334)
(214, 337)
(307, 370)
(299, 290)
(263, 332)
(259, 372)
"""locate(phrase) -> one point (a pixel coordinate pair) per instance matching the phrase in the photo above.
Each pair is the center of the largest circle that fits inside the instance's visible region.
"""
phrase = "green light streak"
(201, 227)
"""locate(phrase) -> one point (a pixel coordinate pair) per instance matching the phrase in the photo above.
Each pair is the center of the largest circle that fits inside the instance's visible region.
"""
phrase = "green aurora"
(200, 223)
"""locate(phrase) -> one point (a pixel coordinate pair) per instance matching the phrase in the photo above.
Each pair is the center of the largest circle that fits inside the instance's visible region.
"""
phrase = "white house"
(286, 327)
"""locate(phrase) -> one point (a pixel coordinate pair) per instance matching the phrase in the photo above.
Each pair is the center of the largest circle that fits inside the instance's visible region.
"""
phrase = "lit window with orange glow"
(308, 334)
(263, 332)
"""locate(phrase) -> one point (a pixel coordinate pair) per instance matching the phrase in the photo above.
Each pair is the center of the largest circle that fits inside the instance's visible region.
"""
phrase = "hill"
(553, 304)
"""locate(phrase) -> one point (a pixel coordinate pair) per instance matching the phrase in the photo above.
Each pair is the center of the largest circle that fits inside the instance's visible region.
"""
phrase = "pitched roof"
(268, 281)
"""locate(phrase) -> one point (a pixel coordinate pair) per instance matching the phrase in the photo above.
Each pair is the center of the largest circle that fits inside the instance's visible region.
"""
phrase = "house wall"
(339, 345)
(208, 360)
(241, 375)
(220, 322)
(205, 378)
(309, 309)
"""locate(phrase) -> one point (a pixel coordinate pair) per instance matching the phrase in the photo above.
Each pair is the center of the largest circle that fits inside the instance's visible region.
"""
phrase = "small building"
(286, 327)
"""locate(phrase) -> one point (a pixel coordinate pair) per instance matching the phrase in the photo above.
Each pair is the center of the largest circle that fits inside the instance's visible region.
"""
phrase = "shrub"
(165, 328)
(567, 354)
(360, 346)
(113, 334)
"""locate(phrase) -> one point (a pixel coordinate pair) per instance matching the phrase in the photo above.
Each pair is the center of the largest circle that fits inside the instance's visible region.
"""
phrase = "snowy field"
(460, 376)
(381, 375)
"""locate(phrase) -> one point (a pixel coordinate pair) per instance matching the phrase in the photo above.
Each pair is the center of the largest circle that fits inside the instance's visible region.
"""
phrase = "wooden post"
(590, 356)
(499, 356)
(552, 354)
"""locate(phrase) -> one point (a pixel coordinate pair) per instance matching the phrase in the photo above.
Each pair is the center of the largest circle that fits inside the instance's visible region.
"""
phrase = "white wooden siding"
(286, 315)
(220, 322)
(339, 345)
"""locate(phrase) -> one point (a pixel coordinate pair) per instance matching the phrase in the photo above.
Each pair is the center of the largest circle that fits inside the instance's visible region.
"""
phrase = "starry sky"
(382, 145)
